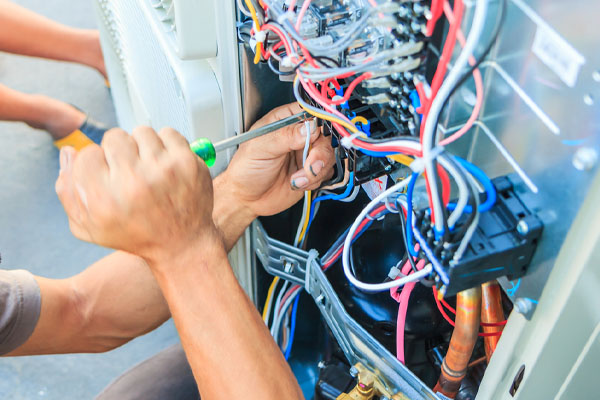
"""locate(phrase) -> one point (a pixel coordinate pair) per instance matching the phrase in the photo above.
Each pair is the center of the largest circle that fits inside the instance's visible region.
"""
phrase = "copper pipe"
(454, 366)
(491, 311)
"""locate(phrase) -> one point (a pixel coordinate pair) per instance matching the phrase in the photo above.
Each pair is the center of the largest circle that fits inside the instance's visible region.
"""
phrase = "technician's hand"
(146, 194)
(266, 174)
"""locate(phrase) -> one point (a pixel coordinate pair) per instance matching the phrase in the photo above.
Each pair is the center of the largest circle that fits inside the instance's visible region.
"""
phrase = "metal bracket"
(358, 345)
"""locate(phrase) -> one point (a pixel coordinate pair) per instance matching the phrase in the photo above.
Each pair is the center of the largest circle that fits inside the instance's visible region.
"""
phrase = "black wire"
(405, 239)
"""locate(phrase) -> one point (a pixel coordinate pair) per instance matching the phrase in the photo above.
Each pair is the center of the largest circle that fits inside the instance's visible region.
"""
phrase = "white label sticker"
(557, 54)
(375, 187)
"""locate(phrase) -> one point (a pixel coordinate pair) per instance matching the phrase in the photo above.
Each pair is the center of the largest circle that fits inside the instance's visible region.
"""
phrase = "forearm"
(27, 33)
(113, 301)
(227, 344)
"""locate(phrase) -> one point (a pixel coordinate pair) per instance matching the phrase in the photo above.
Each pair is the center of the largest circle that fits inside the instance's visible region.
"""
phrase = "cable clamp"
(347, 140)
(312, 256)
(418, 165)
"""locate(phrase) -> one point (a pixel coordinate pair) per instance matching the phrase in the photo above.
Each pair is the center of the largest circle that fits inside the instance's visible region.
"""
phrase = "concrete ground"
(34, 233)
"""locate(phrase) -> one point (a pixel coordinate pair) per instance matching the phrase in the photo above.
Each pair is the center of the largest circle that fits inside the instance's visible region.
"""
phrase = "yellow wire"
(360, 119)
(306, 219)
(350, 127)
(402, 159)
(269, 297)
(258, 50)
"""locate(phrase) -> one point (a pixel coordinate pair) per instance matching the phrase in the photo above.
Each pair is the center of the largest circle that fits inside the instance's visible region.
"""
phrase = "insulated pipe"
(491, 311)
(454, 366)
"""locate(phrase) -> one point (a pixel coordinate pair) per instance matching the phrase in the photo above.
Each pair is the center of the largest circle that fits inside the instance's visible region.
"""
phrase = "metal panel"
(546, 125)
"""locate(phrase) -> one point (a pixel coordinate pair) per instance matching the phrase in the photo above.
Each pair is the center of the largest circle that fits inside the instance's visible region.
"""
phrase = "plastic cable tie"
(312, 255)
(260, 36)
(418, 165)
(287, 62)
(347, 140)
(394, 273)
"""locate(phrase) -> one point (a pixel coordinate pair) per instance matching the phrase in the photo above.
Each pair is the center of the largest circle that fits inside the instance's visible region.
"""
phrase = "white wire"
(439, 100)
(376, 287)
(301, 224)
(278, 302)
(463, 191)
(471, 230)
(306, 196)
(307, 143)
(243, 9)
(277, 322)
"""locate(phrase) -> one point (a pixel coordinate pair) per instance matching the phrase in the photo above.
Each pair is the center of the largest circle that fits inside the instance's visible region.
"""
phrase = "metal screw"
(522, 227)
(354, 371)
(588, 99)
(523, 305)
(585, 158)
(596, 75)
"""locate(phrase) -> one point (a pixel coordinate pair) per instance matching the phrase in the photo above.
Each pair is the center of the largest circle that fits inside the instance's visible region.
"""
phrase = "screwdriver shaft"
(263, 130)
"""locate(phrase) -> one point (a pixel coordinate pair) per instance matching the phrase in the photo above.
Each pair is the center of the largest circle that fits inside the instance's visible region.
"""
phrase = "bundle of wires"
(318, 77)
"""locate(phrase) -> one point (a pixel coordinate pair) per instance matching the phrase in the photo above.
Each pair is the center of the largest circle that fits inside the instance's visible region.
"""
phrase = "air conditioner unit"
(157, 55)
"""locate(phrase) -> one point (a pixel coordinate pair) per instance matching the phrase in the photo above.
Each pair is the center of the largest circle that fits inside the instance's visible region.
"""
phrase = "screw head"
(585, 158)
(354, 371)
(522, 227)
(588, 99)
(523, 305)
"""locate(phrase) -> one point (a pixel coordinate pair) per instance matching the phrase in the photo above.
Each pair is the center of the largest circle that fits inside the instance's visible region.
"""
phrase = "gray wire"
(463, 190)
(438, 102)
(471, 230)
(243, 9)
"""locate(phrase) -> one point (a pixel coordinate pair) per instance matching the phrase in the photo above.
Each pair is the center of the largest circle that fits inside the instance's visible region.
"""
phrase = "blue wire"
(490, 190)
(376, 153)
(293, 327)
(346, 193)
(409, 208)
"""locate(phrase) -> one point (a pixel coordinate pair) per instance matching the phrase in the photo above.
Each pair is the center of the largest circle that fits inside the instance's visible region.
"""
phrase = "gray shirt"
(20, 303)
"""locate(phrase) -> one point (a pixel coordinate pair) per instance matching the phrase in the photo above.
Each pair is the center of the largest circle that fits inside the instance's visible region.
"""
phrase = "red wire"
(351, 88)
(445, 57)
(436, 13)
(451, 322)
(445, 185)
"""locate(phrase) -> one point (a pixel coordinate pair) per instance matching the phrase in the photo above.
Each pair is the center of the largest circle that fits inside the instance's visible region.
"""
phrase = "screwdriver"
(206, 150)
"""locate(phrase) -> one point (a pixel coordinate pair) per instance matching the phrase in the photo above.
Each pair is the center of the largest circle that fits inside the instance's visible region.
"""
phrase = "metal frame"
(303, 268)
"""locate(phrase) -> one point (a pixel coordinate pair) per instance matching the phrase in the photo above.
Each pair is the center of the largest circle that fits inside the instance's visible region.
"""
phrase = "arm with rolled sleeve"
(20, 304)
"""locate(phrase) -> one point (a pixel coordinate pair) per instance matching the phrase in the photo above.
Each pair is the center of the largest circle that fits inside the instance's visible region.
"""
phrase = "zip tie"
(347, 140)
(260, 36)
(418, 165)
(312, 256)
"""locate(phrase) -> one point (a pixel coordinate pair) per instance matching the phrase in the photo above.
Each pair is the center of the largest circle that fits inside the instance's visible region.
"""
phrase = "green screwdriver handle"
(205, 150)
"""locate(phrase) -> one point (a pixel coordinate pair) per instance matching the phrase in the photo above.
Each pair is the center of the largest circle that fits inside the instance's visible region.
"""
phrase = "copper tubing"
(454, 366)
(491, 311)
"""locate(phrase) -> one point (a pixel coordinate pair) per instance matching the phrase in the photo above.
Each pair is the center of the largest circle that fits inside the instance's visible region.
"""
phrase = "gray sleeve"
(20, 303)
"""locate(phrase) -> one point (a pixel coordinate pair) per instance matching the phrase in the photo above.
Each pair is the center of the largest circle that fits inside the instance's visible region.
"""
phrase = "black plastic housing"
(503, 244)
